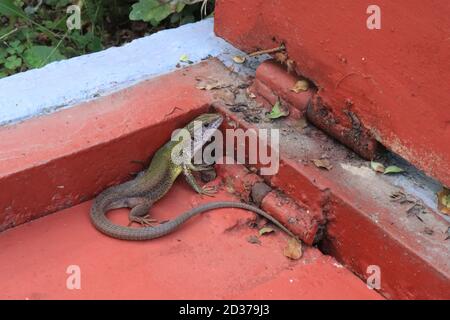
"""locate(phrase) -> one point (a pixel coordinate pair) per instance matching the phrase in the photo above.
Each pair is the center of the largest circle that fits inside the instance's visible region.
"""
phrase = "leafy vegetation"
(34, 33)
(278, 111)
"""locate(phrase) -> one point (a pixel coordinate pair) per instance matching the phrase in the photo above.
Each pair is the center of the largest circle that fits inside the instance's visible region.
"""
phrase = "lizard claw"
(209, 191)
(143, 221)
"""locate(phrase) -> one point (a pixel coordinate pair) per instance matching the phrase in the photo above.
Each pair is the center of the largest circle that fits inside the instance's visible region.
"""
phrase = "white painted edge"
(69, 82)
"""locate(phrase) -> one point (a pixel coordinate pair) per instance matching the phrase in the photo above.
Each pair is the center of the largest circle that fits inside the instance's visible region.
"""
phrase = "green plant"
(28, 40)
(156, 11)
(34, 32)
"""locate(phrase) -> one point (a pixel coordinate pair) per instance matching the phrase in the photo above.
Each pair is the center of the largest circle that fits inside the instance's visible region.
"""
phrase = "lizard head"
(203, 128)
(205, 121)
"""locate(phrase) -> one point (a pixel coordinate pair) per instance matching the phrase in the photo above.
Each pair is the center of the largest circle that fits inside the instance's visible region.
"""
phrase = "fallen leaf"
(377, 167)
(401, 197)
(250, 94)
(229, 185)
(322, 163)
(300, 86)
(185, 58)
(290, 64)
(302, 123)
(293, 249)
(239, 59)
(444, 201)
(211, 84)
(393, 169)
(244, 85)
(278, 111)
(281, 57)
(253, 169)
(239, 108)
(265, 230)
(253, 240)
(428, 231)
(231, 68)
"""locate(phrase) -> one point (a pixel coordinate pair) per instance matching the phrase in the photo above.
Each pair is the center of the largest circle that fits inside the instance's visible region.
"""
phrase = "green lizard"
(151, 185)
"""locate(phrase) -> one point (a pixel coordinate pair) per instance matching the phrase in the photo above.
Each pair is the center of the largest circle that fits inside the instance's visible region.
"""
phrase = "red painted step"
(63, 159)
(208, 258)
(395, 79)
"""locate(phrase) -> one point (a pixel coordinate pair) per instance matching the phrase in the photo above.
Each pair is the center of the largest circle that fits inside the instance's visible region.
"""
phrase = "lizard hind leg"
(139, 212)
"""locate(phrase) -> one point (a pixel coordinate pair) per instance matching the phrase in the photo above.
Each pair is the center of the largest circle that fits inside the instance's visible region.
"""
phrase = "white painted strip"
(65, 83)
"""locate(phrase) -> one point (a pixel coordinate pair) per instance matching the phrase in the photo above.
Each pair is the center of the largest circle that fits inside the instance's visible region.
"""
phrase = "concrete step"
(53, 164)
(208, 258)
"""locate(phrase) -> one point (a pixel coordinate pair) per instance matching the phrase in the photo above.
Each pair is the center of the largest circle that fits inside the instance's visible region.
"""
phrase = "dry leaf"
(444, 201)
(239, 59)
(253, 240)
(322, 163)
(231, 68)
(211, 84)
(393, 169)
(281, 57)
(293, 249)
(229, 185)
(265, 230)
(300, 86)
(377, 167)
(428, 231)
(302, 123)
(401, 197)
(290, 64)
(250, 94)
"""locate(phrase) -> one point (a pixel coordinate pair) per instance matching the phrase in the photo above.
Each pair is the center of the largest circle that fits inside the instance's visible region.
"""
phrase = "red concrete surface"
(394, 79)
(273, 81)
(59, 160)
(409, 268)
(208, 258)
(298, 218)
(355, 136)
(238, 180)
(61, 167)
(363, 227)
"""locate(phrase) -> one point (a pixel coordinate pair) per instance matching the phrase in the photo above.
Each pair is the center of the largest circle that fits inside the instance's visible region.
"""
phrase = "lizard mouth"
(216, 123)
(209, 126)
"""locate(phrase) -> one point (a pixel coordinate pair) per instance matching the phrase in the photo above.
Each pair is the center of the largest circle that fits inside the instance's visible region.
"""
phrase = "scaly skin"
(150, 186)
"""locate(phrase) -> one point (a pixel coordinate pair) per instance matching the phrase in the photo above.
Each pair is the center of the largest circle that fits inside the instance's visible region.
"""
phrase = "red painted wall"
(396, 78)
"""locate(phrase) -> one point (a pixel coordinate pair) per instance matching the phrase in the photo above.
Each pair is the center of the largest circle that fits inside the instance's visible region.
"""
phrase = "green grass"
(32, 36)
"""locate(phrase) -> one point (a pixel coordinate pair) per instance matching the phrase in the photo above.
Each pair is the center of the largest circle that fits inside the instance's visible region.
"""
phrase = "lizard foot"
(209, 191)
(143, 221)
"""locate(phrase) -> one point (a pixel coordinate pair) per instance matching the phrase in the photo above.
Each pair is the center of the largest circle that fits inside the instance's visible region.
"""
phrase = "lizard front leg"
(200, 167)
(208, 190)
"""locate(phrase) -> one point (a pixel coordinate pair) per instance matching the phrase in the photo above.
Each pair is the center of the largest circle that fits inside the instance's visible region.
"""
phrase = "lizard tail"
(125, 233)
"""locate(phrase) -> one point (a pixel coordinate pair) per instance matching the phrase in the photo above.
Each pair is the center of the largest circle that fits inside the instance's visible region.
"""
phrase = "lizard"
(152, 184)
